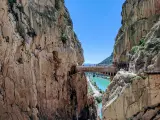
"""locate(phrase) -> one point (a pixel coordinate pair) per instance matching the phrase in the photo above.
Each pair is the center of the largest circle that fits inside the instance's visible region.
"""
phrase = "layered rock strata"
(135, 94)
(138, 17)
(134, 98)
(37, 50)
(146, 58)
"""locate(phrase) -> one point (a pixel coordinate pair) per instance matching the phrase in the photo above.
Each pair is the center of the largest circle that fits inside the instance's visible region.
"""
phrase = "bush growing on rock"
(134, 49)
(99, 99)
(11, 1)
(64, 38)
(142, 42)
(90, 91)
(136, 78)
(57, 4)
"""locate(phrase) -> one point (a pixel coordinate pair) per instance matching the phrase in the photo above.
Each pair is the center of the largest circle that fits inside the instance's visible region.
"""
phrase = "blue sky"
(96, 23)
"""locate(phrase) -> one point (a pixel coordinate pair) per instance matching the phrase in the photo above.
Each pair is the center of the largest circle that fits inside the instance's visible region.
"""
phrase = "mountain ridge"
(107, 61)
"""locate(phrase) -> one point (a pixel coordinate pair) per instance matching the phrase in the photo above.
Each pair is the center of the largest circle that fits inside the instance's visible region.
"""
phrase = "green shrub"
(90, 91)
(101, 91)
(94, 75)
(135, 78)
(99, 99)
(10, 4)
(94, 83)
(57, 4)
(142, 42)
(70, 23)
(11, 1)
(134, 49)
(64, 38)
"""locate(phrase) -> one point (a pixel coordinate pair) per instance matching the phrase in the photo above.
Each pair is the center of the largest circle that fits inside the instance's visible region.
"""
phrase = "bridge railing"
(110, 70)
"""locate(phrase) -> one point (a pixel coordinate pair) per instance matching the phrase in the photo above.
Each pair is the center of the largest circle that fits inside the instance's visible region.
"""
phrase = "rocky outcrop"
(134, 98)
(121, 81)
(138, 17)
(150, 113)
(37, 51)
(147, 57)
(135, 95)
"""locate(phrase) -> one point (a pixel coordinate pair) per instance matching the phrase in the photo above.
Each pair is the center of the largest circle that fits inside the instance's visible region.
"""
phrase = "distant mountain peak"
(107, 61)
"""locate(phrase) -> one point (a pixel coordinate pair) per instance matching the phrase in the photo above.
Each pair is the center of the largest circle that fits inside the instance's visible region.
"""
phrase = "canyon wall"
(132, 98)
(37, 51)
(138, 17)
(135, 94)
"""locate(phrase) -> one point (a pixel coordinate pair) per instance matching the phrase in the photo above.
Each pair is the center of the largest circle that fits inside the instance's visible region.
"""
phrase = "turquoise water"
(100, 110)
(102, 84)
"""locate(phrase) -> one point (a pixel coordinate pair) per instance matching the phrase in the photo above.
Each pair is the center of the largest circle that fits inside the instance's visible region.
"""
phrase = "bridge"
(107, 70)
(110, 70)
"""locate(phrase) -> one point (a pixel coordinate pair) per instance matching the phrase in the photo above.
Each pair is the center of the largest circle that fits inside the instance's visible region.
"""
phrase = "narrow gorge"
(135, 94)
(42, 70)
(37, 51)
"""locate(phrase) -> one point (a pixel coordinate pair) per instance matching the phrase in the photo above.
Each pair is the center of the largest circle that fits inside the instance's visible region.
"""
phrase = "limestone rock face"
(135, 95)
(147, 57)
(138, 17)
(130, 96)
(37, 50)
(116, 87)
(137, 101)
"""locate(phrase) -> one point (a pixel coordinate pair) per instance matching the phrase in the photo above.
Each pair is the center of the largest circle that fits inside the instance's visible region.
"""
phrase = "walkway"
(109, 70)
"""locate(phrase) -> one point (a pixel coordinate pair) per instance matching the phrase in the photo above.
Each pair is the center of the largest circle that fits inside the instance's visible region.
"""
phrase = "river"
(102, 84)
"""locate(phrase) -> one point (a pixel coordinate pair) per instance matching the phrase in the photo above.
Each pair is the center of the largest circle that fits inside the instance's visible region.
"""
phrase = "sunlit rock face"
(37, 50)
(135, 99)
(138, 17)
(135, 94)
(147, 57)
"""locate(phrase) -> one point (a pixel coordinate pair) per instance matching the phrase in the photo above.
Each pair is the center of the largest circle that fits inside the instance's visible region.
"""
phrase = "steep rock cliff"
(146, 58)
(138, 17)
(134, 98)
(37, 51)
(135, 94)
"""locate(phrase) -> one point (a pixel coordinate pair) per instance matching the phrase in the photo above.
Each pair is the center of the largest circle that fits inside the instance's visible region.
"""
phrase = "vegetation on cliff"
(135, 94)
(38, 47)
(107, 61)
(138, 17)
